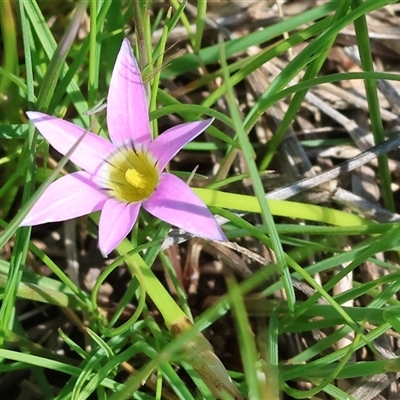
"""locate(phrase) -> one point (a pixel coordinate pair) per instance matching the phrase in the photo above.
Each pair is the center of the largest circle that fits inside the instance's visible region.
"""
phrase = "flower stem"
(167, 306)
(197, 351)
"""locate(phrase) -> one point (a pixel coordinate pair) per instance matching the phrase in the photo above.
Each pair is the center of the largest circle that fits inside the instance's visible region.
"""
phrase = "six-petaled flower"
(120, 176)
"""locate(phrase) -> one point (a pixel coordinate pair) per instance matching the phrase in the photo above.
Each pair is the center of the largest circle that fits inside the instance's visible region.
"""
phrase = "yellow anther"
(135, 178)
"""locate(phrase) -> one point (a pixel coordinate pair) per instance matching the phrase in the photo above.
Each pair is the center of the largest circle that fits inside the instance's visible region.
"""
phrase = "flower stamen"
(135, 178)
(129, 175)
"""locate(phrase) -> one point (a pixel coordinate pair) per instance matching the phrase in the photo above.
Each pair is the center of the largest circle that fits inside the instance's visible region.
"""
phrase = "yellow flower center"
(135, 178)
(129, 175)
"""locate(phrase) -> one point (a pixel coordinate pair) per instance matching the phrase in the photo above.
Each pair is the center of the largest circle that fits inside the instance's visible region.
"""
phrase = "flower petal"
(127, 109)
(69, 197)
(116, 221)
(62, 135)
(165, 146)
(174, 202)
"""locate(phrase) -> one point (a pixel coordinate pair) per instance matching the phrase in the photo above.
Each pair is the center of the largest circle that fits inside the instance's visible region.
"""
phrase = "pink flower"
(125, 174)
